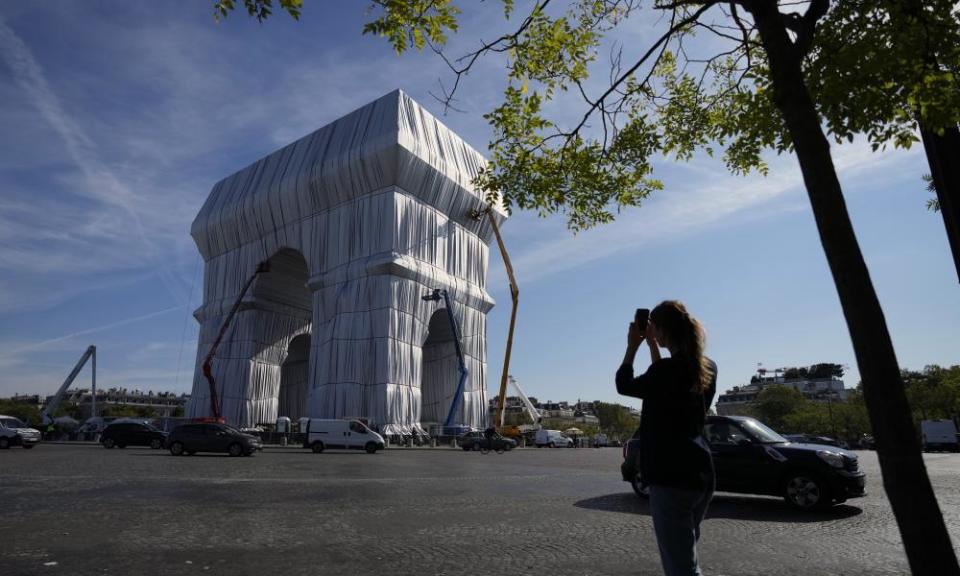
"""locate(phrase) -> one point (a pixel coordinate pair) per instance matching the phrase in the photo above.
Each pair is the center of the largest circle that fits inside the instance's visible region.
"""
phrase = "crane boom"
(48, 411)
(531, 409)
(515, 299)
(461, 363)
(436, 295)
(207, 362)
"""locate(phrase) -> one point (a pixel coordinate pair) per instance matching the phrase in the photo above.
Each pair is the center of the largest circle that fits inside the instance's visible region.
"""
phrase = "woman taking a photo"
(675, 460)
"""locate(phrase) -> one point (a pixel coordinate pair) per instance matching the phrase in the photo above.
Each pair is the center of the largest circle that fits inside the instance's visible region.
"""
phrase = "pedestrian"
(675, 459)
(489, 434)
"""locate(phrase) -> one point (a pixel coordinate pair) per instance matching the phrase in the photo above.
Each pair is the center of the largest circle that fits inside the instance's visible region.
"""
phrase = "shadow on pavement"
(727, 506)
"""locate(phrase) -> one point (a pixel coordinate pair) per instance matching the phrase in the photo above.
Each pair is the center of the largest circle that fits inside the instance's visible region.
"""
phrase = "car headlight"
(831, 458)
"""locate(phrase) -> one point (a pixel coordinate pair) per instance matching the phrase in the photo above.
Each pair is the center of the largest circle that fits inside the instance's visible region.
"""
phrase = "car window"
(724, 432)
(762, 433)
(12, 423)
(357, 427)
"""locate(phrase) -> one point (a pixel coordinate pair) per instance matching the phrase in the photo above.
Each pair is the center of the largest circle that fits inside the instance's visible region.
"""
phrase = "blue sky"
(118, 117)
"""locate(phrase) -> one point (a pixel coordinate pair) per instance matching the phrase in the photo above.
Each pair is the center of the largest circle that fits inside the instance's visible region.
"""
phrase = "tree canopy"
(731, 79)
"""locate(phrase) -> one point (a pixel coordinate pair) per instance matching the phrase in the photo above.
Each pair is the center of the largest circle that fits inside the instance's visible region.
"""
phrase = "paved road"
(424, 512)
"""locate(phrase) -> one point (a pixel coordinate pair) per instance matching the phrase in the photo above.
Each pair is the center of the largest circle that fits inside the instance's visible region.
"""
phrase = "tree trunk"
(924, 533)
(943, 155)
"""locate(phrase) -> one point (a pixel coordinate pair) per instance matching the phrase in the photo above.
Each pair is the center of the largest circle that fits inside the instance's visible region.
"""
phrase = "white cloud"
(75, 235)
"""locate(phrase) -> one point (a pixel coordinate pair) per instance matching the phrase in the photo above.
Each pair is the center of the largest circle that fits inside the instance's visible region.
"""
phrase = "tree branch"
(623, 78)
(808, 24)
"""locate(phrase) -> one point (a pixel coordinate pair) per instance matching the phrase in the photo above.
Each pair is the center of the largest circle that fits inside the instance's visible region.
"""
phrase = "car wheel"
(156, 444)
(371, 447)
(108, 443)
(642, 490)
(806, 492)
(176, 449)
(317, 447)
(28, 446)
(4, 443)
(552, 445)
(235, 449)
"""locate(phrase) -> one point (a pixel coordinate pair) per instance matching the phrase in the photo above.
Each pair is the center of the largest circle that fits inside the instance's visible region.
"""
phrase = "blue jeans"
(677, 513)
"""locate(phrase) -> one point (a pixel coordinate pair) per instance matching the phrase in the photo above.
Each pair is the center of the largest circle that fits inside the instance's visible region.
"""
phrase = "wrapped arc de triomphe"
(358, 221)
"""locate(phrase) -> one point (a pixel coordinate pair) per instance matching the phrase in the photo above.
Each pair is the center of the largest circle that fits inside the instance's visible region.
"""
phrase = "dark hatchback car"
(193, 438)
(476, 440)
(751, 458)
(123, 434)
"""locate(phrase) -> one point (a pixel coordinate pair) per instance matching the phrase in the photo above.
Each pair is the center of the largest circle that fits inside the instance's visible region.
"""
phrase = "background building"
(819, 383)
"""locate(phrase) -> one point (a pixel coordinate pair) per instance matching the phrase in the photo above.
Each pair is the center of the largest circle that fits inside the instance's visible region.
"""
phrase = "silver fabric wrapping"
(358, 221)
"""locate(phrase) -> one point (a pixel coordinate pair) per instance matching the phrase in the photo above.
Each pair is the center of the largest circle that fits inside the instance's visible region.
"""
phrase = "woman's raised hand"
(634, 336)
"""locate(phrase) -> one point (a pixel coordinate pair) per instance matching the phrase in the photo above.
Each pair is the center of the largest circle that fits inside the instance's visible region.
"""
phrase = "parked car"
(323, 434)
(751, 458)
(122, 434)
(13, 432)
(475, 440)
(601, 440)
(552, 438)
(193, 438)
(939, 435)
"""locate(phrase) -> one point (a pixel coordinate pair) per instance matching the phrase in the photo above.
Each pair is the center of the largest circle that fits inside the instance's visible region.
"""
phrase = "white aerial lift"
(46, 416)
(513, 431)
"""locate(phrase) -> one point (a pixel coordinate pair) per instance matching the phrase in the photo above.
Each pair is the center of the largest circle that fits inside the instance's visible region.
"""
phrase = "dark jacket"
(671, 421)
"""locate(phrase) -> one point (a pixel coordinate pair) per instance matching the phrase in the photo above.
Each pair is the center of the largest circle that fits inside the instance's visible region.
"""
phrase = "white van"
(13, 432)
(939, 435)
(323, 434)
(552, 438)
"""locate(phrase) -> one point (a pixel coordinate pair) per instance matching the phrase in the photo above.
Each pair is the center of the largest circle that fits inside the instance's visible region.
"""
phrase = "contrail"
(117, 324)
(102, 183)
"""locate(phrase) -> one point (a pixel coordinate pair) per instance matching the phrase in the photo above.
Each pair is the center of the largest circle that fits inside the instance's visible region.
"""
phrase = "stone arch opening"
(285, 284)
(286, 313)
(438, 373)
(294, 379)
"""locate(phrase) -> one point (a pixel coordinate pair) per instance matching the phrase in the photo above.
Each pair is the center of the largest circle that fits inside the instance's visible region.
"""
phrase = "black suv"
(751, 458)
(477, 440)
(193, 438)
(123, 434)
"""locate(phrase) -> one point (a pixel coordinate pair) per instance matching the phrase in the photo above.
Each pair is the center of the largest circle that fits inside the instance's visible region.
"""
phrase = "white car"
(13, 432)
(323, 434)
(552, 438)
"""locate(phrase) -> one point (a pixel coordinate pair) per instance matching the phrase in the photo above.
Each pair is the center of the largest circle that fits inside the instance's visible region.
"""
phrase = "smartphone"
(641, 317)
